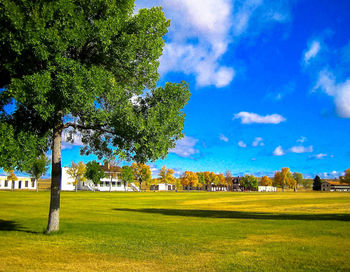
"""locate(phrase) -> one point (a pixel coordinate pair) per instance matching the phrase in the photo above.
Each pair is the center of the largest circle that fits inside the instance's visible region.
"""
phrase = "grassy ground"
(303, 231)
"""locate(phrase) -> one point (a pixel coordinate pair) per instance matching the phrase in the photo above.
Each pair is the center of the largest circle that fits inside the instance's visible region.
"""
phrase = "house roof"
(337, 183)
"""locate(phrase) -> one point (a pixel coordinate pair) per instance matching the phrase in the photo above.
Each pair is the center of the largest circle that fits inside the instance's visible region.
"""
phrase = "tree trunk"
(37, 185)
(56, 175)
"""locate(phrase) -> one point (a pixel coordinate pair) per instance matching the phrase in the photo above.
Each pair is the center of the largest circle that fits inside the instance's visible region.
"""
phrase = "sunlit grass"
(303, 231)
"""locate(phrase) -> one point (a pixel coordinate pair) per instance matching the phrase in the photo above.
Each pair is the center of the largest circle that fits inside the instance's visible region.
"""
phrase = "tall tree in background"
(283, 178)
(222, 179)
(142, 173)
(229, 178)
(201, 178)
(84, 66)
(126, 176)
(189, 179)
(250, 182)
(77, 172)
(38, 168)
(346, 177)
(266, 181)
(167, 175)
(94, 172)
(316, 186)
(298, 178)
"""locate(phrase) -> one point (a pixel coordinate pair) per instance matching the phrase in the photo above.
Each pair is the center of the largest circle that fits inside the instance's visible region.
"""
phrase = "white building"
(163, 187)
(106, 184)
(267, 189)
(26, 183)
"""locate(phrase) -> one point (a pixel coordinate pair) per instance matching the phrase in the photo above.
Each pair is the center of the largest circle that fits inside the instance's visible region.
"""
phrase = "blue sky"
(270, 83)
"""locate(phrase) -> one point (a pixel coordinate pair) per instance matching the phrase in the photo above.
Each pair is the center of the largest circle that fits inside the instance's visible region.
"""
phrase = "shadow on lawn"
(241, 215)
(6, 225)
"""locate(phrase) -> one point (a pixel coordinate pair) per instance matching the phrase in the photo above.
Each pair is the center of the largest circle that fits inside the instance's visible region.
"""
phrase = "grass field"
(303, 231)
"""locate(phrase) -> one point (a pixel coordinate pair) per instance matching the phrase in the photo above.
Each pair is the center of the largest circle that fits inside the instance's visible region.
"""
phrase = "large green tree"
(94, 172)
(88, 67)
(250, 182)
(126, 176)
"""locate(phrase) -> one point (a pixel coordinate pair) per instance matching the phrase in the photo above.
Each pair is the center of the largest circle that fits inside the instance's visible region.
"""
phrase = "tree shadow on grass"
(8, 225)
(241, 215)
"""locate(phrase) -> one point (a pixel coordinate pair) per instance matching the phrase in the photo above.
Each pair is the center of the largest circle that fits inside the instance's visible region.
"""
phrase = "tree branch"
(82, 127)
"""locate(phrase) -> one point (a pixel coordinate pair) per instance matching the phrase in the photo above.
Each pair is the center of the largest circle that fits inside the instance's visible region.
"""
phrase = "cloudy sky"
(270, 83)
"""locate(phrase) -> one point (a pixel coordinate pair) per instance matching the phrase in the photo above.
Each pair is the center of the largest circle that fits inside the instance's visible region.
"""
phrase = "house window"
(20, 184)
(33, 183)
(119, 184)
(26, 184)
(6, 183)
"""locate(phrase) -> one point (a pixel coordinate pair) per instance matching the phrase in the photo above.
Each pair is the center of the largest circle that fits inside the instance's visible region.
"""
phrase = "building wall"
(267, 189)
(67, 184)
(23, 183)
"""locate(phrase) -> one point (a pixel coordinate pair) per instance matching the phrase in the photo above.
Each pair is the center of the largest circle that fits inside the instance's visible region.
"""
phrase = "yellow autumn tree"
(189, 179)
(77, 173)
(142, 173)
(266, 181)
(222, 179)
(285, 177)
(166, 175)
(11, 176)
(346, 178)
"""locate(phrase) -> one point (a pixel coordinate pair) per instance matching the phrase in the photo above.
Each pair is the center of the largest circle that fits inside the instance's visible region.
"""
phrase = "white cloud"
(75, 141)
(301, 149)
(278, 151)
(312, 51)
(340, 92)
(318, 156)
(242, 144)
(202, 30)
(198, 37)
(258, 141)
(185, 147)
(250, 117)
(223, 138)
(302, 139)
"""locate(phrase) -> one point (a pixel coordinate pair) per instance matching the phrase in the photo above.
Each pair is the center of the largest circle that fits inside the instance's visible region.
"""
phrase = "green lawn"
(303, 231)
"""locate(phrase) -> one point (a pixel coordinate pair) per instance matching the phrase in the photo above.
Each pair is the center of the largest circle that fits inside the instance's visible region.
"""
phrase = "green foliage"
(298, 177)
(316, 186)
(126, 175)
(307, 183)
(94, 172)
(39, 167)
(201, 178)
(250, 182)
(85, 65)
(19, 149)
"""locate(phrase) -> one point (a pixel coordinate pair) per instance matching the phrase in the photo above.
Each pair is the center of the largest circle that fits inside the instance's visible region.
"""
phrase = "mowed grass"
(303, 231)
